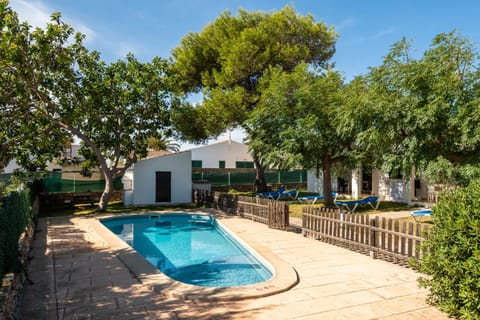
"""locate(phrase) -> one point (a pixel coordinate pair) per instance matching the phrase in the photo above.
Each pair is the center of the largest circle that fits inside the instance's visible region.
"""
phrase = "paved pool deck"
(75, 274)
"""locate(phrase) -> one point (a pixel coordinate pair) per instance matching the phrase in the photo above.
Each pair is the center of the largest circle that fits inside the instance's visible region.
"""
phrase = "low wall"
(69, 199)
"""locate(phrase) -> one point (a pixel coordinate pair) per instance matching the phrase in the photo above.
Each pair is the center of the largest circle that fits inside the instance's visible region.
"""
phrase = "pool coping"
(285, 276)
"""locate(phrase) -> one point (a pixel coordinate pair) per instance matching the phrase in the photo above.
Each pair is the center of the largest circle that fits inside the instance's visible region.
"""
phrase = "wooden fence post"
(373, 238)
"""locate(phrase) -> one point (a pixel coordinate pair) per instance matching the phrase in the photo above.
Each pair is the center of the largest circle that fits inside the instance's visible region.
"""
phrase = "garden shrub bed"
(12, 284)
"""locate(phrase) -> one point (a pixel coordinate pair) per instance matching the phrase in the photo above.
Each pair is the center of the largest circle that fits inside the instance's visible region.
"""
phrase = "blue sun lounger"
(280, 193)
(418, 215)
(351, 205)
(288, 194)
(271, 194)
(314, 198)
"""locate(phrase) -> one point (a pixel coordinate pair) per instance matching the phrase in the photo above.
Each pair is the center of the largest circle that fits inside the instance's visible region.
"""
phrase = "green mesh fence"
(246, 178)
(5, 178)
(15, 215)
(197, 176)
(54, 184)
(237, 179)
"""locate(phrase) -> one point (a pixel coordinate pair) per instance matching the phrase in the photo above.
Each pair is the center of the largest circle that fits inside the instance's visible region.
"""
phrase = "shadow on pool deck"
(76, 275)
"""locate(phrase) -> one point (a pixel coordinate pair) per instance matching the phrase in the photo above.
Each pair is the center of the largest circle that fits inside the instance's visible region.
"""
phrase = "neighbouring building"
(223, 154)
(389, 187)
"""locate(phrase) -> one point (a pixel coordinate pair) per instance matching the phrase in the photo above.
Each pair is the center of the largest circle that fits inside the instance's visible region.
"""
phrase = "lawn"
(385, 206)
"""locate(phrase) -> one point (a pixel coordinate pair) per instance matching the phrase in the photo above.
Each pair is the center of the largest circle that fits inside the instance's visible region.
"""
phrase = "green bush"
(452, 254)
(15, 216)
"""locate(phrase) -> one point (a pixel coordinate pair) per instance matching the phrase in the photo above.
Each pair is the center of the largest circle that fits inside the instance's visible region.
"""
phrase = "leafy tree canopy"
(229, 56)
(227, 59)
(55, 88)
(306, 119)
(426, 108)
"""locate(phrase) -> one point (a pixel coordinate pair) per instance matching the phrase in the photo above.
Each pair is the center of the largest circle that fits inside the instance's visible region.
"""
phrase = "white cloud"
(382, 33)
(378, 35)
(35, 13)
(38, 15)
(344, 24)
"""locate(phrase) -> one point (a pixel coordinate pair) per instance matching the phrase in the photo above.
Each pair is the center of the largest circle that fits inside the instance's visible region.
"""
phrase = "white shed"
(160, 180)
(223, 154)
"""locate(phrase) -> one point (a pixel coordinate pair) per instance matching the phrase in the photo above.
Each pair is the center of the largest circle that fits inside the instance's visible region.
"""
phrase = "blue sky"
(366, 29)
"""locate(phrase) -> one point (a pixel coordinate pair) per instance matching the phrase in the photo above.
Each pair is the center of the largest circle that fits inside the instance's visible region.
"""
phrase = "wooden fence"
(379, 237)
(273, 213)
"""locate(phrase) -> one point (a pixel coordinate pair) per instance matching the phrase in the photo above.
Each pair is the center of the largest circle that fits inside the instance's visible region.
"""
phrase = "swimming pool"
(191, 248)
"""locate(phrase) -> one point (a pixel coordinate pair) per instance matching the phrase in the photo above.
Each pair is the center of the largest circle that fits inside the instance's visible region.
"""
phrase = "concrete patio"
(75, 275)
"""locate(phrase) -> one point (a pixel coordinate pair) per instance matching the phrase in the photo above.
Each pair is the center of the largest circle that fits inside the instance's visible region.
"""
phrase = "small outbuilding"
(164, 179)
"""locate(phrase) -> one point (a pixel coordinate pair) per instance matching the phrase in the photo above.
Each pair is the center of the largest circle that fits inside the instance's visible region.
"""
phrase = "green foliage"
(62, 90)
(304, 119)
(15, 216)
(452, 259)
(428, 107)
(227, 60)
(442, 171)
(162, 144)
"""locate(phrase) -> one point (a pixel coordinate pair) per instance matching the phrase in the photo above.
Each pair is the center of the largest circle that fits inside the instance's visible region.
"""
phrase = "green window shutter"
(243, 164)
(196, 163)
(221, 164)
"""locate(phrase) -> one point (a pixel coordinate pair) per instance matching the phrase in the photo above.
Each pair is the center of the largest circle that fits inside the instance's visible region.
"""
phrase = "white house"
(10, 168)
(360, 182)
(223, 154)
(159, 180)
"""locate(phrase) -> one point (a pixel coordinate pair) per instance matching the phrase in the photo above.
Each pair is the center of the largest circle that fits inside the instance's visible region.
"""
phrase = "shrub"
(452, 254)
(15, 216)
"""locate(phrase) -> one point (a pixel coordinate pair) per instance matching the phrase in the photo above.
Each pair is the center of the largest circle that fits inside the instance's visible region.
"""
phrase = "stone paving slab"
(76, 276)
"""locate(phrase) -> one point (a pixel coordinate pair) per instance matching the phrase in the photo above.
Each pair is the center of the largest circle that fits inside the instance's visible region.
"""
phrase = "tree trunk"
(107, 192)
(260, 180)
(327, 181)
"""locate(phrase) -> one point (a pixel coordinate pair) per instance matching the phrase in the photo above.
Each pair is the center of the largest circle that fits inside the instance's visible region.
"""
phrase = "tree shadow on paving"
(72, 278)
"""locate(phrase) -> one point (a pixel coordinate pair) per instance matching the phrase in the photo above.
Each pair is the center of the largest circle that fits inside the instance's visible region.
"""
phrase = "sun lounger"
(351, 205)
(314, 199)
(288, 194)
(271, 194)
(418, 215)
(278, 194)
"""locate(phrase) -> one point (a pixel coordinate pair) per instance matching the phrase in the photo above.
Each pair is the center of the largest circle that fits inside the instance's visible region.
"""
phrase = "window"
(221, 164)
(243, 164)
(196, 163)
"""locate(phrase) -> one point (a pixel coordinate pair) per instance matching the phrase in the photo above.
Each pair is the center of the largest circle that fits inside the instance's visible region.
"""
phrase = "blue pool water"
(191, 248)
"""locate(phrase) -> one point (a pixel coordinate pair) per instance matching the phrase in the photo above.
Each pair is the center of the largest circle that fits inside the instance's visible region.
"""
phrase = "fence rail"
(273, 213)
(380, 237)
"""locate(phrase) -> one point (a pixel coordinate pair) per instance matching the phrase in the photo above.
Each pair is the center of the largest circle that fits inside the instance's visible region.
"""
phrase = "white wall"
(390, 189)
(179, 164)
(357, 182)
(228, 151)
(127, 181)
(314, 184)
(11, 166)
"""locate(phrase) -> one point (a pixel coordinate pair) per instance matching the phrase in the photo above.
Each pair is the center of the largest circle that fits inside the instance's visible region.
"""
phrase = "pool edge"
(285, 276)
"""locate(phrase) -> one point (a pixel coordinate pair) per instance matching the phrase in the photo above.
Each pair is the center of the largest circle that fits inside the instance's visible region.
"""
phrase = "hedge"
(452, 259)
(15, 216)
